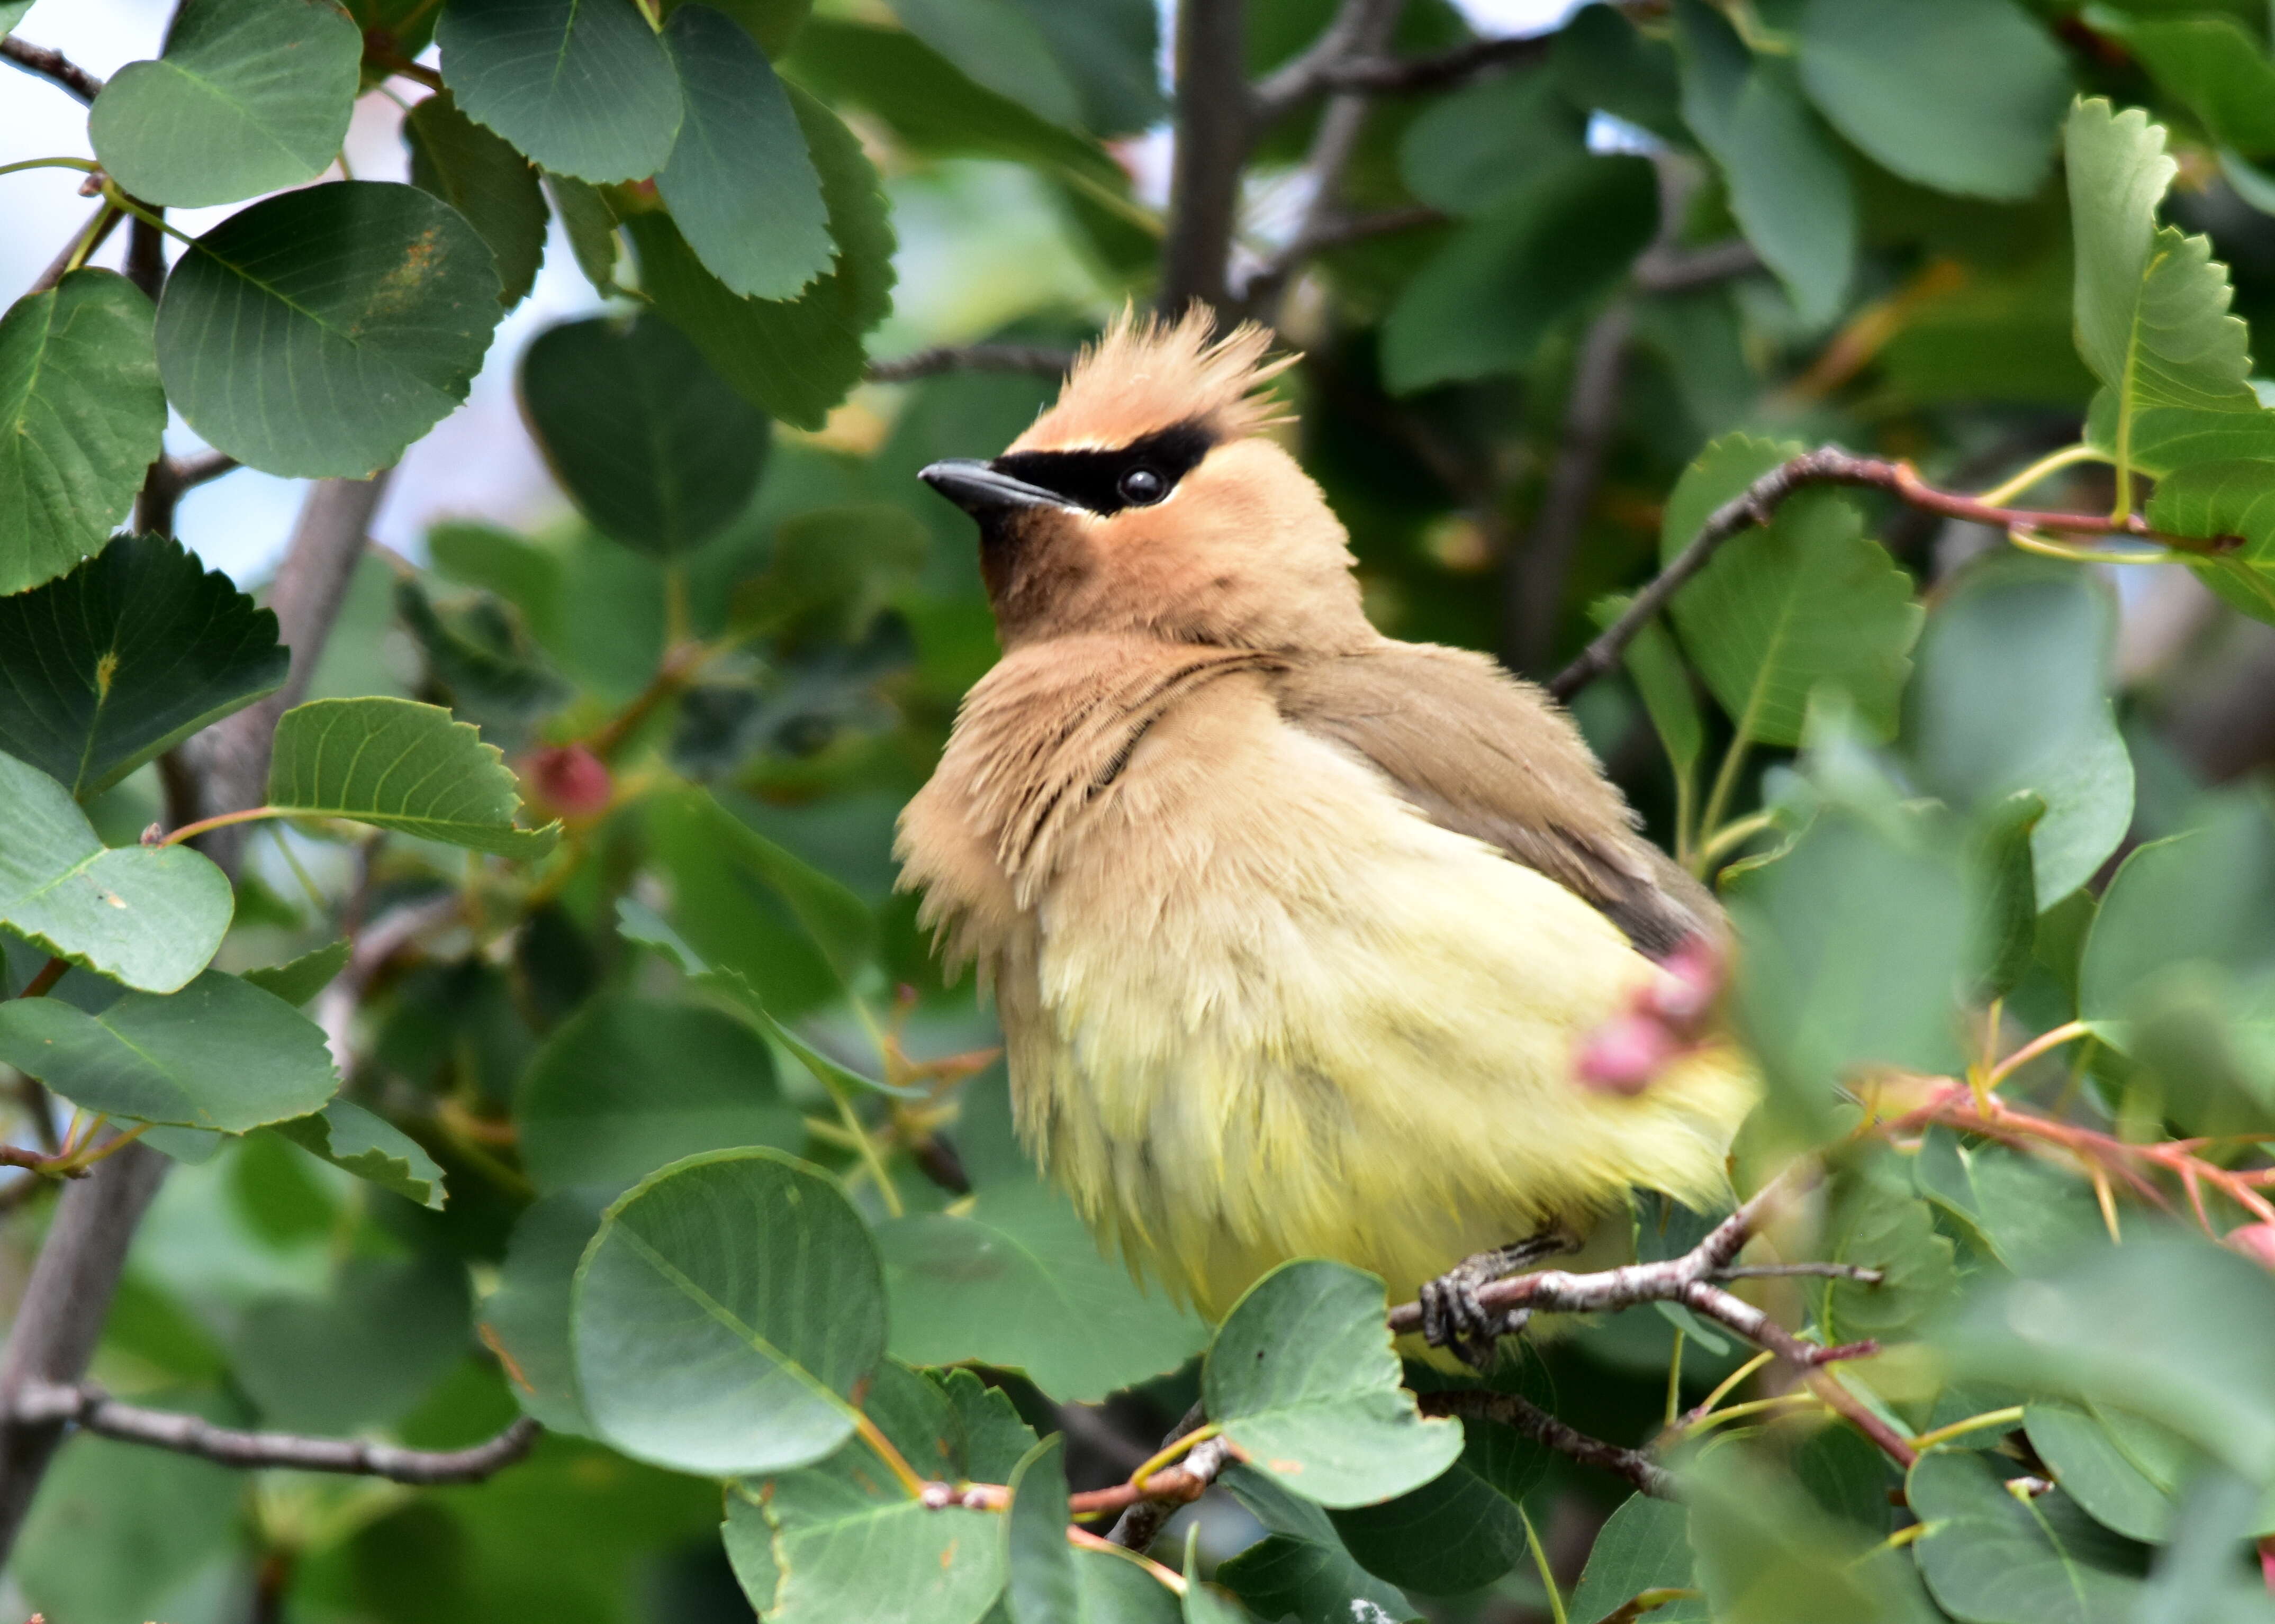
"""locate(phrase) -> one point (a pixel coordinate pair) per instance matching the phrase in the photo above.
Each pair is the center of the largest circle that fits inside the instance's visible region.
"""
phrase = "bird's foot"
(1453, 1315)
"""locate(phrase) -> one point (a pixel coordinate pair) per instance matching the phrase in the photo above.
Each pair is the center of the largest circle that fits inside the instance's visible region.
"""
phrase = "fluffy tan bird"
(1294, 929)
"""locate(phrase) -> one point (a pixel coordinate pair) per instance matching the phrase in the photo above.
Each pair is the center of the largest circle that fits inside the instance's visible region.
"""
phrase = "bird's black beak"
(980, 490)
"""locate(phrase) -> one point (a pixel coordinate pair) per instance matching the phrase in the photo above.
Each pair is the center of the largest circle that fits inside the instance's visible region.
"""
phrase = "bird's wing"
(1478, 752)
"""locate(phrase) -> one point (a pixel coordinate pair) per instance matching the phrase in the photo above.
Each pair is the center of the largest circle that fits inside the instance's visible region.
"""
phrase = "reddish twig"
(1829, 466)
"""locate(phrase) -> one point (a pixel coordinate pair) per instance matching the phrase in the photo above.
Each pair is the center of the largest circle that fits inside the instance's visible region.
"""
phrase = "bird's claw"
(1454, 1317)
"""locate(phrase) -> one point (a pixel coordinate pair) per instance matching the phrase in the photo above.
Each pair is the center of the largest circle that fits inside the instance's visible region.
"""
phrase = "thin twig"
(1829, 466)
(53, 65)
(1667, 269)
(89, 1407)
(1324, 234)
(1332, 65)
(1042, 360)
(1141, 1522)
(81, 247)
(1536, 575)
(1639, 1469)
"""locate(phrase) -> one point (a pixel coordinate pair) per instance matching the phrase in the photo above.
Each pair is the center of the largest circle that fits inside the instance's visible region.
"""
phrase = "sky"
(478, 463)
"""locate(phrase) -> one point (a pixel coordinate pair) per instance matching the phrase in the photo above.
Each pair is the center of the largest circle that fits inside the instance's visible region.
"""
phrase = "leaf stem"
(2045, 467)
(151, 217)
(84, 165)
(189, 831)
(1089, 1541)
(867, 1145)
(895, 1461)
(1718, 799)
(1173, 1451)
(50, 972)
(1989, 1418)
(1674, 1378)
(1540, 1560)
(1733, 834)
(2044, 1043)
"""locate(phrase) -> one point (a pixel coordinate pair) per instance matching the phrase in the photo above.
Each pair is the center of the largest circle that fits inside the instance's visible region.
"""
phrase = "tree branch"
(1039, 358)
(1688, 1279)
(1535, 574)
(1338, 61)
(1639, 1469)
(53, 65)
(1758, 501)
(1140, 1522)
(1214, 128)
(64, 1303)
(87, 1406)
(1677, 270)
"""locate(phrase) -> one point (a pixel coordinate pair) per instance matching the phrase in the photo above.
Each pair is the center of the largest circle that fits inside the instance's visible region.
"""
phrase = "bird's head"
(1147, 500)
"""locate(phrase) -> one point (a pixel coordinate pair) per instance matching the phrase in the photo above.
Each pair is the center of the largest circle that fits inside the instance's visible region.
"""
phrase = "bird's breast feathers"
(1258, 1006)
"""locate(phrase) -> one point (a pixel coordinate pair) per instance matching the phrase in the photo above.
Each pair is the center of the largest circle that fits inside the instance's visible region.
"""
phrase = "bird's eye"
(1142, 487)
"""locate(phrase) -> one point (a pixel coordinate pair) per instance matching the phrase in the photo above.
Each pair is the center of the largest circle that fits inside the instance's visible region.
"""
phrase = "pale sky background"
(478, 463)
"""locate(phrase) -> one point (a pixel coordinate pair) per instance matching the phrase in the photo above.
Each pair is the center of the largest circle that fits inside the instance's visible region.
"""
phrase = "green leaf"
(794, 359)
(626, 1085)
(2125, 1472)
(1787, 187)
(1989, 1558)
(2005, 892)
(725, 1314)
(363, 1354)
(1302, 1378)
(589, 220)
(2033, 1215)
(1963, 96)
(177, 1514)
(1642, 1546)
(1658, 672)
(1017, 1280)
(774, 23)
(2203, 894)
(482, 659)
(994, 1439)
(844, 1539)
(741, 188)
(2226, 499)
(1852, 948)
(297, 980)
(320, 332)
(12, 12)
(2011, 694)
(1460, 1531)
(485, 179)
(2213, 65)
(1284, 1577)
(994, 43)
(149, 916)
(80, 417)
(526, 1320)
(2152, 307)
(1476, 146)
(1111, 50)
(584, 86)
(218, 1054)
(793, 933)
(125, 657)
(834, 570)
(1203, 1604)
(250, 95)
(1782, 610)
(2167, 1328)
(1495, 290)
(1876, 1221)
(1767, 1555)
(647, 439)
(372, 1148)
(1040, 1586)
(896, 79)
(397, 765)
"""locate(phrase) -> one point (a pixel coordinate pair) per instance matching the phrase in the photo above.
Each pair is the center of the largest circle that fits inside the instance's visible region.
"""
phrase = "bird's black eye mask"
(1136, 475)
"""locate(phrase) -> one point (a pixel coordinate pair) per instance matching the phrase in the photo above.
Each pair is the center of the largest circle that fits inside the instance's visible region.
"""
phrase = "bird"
(1293, 930)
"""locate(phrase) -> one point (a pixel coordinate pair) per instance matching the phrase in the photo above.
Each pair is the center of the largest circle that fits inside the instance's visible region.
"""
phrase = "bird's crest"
(1145, 374)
